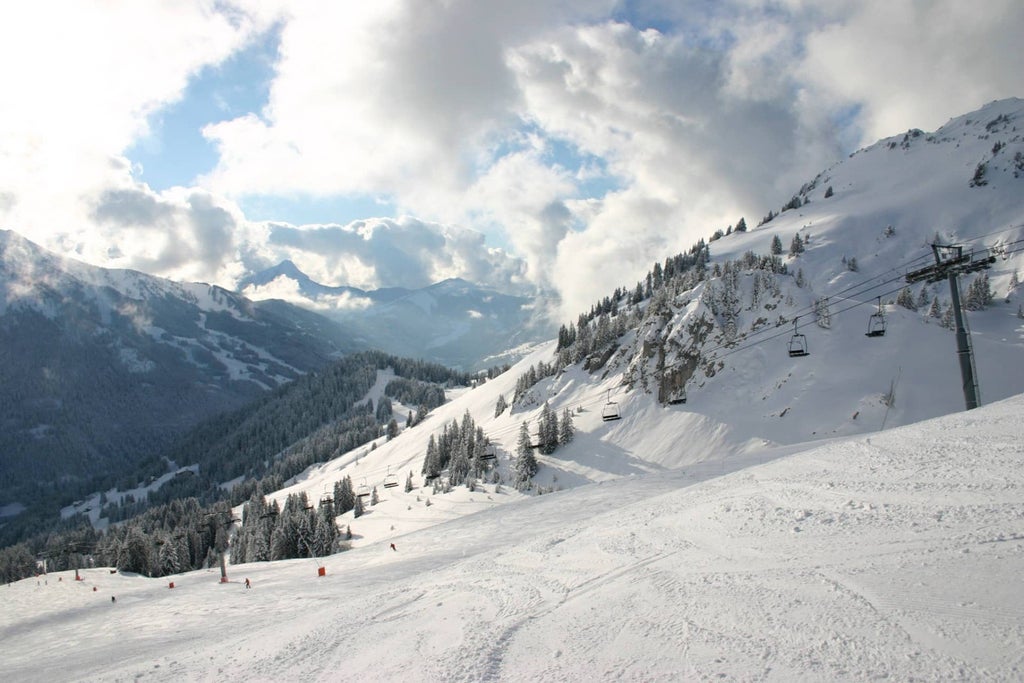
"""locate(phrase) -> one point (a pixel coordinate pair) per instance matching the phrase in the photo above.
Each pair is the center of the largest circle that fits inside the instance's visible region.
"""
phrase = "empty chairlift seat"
(798, 342)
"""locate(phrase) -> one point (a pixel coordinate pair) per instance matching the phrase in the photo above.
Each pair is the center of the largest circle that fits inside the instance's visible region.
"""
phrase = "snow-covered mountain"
(721, 332)
(99, 368)
(794, 517)
(452, 322)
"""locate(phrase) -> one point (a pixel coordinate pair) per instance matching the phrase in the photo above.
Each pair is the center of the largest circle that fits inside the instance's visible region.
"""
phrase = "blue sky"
(525, 145)
(175, 152)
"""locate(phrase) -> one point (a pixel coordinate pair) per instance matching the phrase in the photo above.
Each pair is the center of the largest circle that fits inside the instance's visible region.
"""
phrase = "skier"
(247, 584)
(393, 547)
(113, 599)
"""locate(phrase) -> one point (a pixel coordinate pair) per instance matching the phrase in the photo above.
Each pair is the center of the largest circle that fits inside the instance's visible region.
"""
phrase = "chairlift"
(390, 480)
(363, 491)
(326, 498)
(876, 322)
(489, 452)
(798, 342)
(610, 410)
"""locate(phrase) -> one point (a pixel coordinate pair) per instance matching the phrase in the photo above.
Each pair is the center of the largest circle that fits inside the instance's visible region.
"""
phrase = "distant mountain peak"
(286, 268)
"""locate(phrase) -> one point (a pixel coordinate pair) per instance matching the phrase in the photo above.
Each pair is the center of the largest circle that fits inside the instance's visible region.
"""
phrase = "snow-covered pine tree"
(548, 430)
(979, 293)
(432, 462)
(776, 246)
(566, 429)
(822, 314)
(501, 406)
(796, 246)
(947, 317)
(357, 509)
(906, 299)
(167, 556)
(523, 443)
(526, 463)
(344, 496)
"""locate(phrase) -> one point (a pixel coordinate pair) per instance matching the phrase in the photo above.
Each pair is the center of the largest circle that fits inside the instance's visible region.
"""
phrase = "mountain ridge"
(452, 321)
(98, 366)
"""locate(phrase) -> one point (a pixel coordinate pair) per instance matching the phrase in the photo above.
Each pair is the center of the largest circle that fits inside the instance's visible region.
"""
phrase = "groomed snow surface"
(898, 555)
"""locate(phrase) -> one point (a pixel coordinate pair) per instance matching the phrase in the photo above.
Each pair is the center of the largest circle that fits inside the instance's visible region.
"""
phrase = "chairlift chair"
(489, 452)
(390, 480)
(326, 498)
(876, 322)
(610, 410)
(798, 342)
(363, 491)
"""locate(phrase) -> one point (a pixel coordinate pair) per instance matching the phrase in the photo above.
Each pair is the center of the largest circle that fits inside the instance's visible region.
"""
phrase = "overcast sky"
(554, 144)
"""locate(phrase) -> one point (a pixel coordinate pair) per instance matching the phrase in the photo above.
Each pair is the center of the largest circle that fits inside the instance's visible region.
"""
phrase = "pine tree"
(523, 444)
(979, 293)
(796, 247)
(408, 482)
(776, 247)
(526, 463)
(134, 552)
(501, 406)
(947, 317)
(344, 496)
(374, 498)
(167, 556)
(323, 537)
(547, 430)
(357, 510)
(566, 429)
(906, 299)
(432, 462)
(822, 313)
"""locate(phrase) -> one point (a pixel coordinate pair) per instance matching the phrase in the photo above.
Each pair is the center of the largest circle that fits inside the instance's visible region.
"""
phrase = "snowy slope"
(756, 397)
(897, 555)
(833, 551)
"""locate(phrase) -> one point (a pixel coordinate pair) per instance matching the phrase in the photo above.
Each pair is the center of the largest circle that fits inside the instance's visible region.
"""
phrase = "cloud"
(287, 289)
(915, 64)
(186, 234)
(83, 78)
(585, 138)
(383, 252)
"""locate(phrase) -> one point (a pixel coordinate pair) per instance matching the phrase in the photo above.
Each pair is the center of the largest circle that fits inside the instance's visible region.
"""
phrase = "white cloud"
(383, 252)
(80, 80)
(287, 289)
(498, 117)
(916, 64)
